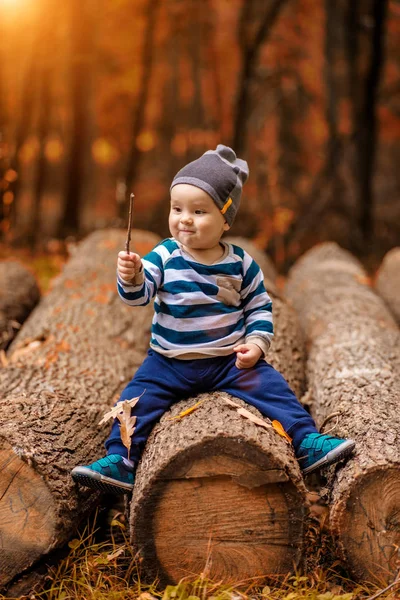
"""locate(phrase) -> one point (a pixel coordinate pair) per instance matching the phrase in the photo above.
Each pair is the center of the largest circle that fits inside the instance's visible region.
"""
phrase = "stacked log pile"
(218, 493)
(19, 294)
(353, 370)
(387, 281)
(66, 367)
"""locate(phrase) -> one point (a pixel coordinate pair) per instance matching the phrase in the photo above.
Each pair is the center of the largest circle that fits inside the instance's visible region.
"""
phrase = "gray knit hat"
(220, 174)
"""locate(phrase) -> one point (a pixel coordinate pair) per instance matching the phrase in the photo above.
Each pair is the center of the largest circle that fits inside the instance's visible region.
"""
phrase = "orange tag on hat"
(226, 206)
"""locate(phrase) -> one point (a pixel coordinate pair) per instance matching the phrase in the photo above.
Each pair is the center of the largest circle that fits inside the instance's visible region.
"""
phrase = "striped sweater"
(201, 310)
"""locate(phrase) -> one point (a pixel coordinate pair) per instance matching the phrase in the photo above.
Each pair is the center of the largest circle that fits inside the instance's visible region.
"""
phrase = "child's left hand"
(247, 355)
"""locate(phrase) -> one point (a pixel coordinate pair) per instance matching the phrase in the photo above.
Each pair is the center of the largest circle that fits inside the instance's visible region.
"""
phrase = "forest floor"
(100, 564)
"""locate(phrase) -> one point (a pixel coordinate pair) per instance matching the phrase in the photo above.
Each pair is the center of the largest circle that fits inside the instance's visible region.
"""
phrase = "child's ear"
(226, 226)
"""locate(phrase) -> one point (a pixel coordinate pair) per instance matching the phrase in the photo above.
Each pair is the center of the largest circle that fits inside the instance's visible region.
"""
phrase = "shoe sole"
(97, 481)
(333, 456)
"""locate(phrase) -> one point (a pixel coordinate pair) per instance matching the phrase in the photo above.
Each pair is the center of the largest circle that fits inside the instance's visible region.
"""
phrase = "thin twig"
(328, 418)
(128, 237)
(395, 582)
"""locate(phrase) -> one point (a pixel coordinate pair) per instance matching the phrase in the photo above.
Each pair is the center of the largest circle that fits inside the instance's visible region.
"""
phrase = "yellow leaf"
(74, 544)
(187, 411)
(116, 523)
(279, 429)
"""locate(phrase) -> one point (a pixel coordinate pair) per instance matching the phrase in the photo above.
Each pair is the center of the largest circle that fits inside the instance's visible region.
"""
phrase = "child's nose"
(186, 218)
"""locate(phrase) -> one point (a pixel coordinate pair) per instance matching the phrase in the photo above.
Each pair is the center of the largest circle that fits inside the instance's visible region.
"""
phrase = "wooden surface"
(19, 294)
(387, 281)
(219, 494)
(66, 367)
(353, 370)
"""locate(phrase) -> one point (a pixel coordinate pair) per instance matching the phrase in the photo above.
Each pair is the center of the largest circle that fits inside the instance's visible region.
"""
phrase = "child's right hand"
(128, 265)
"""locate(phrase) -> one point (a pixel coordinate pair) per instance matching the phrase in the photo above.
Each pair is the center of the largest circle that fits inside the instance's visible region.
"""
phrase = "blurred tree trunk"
(3, 146)
(170, 130)
(216, 121)
(250, 45)
(45, 75)
(23, 118)
(367, 137)
(195, 41)
(133, 161)
(79, 85)
(326, 185)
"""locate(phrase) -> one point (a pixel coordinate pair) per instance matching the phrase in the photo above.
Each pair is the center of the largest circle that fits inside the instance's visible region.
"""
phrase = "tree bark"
(67, 366)
(19, 294)
(387, 281)
(216, 493)
(354, 377)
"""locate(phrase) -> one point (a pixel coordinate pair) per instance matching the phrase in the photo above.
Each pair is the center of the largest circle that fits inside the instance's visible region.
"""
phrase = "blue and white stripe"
(190, 319)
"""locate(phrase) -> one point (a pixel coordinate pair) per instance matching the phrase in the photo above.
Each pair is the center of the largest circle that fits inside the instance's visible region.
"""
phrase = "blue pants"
(164, 381)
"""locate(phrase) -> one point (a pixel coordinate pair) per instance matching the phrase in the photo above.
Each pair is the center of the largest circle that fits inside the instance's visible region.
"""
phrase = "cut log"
(66, 367)
(287, 352)
(19, 294)
(216, 493)
(353, 370)
(387, 281)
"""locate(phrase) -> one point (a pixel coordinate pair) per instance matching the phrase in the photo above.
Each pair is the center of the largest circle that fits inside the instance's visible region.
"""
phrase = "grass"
(110, 570)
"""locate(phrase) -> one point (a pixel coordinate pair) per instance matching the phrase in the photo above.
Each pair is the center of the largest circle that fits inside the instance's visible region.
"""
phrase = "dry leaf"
(253, 418)
(146, 596)
(127, 425)
(279, 429)
(248, 415)
(119, 408)
(187, 411)
(25, 350)
(116, 553)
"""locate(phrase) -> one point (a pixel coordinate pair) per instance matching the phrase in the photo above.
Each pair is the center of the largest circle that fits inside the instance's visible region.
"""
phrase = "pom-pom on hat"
(220, 174)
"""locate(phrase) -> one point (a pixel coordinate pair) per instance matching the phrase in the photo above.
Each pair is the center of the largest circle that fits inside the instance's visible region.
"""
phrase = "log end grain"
(367, 524)
(229, 504)
(27, 514)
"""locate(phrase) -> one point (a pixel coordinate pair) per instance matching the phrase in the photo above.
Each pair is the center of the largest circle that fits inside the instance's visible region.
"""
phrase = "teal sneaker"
(110, 474)
(318, 450)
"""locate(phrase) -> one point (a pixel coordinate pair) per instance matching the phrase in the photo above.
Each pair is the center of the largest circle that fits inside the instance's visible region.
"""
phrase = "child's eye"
(176, 209)
(199, 212)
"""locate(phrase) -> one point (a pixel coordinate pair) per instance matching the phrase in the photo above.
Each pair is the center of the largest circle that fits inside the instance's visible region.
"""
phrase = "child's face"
(194, 219)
